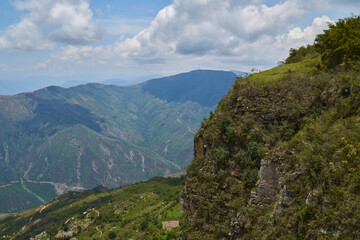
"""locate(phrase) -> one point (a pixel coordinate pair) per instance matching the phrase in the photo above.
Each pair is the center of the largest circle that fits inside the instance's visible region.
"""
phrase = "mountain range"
(279, 158)
(16, 86)
(59, 139)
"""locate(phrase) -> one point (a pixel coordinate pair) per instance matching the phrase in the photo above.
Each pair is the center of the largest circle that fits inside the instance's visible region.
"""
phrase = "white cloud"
(206, 33)
(46, 22)
(298, 37)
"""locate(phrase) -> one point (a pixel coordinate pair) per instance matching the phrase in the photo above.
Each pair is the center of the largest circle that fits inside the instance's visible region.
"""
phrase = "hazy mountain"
(95, 134)
(278, 159)
(118, 82)
(73, 83)
(200, 86)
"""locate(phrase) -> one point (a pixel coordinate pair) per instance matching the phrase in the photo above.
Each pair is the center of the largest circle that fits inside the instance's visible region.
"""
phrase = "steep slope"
(76, 138)
(182, 87)
(137, 211)
(279, 158)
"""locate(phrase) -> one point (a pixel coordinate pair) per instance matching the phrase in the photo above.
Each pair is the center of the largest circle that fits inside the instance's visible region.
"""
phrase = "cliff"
(279, 158)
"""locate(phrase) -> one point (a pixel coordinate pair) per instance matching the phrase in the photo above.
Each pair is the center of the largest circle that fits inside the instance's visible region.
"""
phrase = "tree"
(297, 55)
(340, 44)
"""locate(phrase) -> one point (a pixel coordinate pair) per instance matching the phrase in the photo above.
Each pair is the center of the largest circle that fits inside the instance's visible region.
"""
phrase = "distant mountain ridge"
(17, 86)
(61, 139)
(182, 87)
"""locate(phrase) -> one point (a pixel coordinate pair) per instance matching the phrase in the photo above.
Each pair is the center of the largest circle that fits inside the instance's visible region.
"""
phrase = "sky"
(128, 39)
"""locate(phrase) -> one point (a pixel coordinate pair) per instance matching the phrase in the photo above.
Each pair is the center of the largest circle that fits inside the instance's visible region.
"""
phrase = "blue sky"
(136, 38)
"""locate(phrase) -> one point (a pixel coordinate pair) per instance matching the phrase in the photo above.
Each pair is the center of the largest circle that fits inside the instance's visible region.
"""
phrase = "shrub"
(112, 235)
(222, 156)
(297, 55)
(355, 183)
(251, 178)
(340, 44)
(256, 151)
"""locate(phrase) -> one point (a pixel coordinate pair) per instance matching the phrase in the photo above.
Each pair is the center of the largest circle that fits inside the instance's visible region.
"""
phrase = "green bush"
(112, 235)
(241, 158)
(355, 183)
(340, 44)
(144, 225)
(297, 55)
(251, 178)
(256, 151)
(222, 156)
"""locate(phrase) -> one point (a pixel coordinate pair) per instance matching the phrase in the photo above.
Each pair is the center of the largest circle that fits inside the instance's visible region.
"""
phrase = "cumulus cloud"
(298, 37)
(194, 30)
(46, 22)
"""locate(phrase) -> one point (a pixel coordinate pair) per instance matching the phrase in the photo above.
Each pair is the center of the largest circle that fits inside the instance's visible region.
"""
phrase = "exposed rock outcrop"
(267, 187)
(284, 200)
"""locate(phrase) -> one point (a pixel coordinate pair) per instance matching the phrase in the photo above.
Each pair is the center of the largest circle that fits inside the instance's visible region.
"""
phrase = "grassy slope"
(134, 211)
(273, 75)
(295, 114)
(303, 118)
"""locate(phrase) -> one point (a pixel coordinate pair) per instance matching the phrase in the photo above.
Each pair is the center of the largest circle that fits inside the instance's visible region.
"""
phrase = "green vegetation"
(15, 193)
(302, 53)
(279, 158)
(271, 76)
(44, 190)
(95, 134)
(340, 44)
(3, 215)
(135, 211)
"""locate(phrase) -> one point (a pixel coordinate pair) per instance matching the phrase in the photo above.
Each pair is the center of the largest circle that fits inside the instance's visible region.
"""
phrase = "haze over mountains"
(16, 86)
(29, 84)
(88, 150)
(57, 139)
(279, 158)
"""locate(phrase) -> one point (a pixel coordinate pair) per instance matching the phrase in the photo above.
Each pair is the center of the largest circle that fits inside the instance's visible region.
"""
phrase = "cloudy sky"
(132, 38)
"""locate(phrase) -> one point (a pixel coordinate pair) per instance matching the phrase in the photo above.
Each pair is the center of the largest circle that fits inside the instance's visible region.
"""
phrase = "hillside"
(57, 139)
(137, 211)
(280, 157)
(182, 87)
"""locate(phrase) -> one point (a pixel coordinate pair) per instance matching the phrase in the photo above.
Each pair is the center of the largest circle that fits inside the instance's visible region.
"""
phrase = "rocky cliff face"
(266, 161)
(267, 187)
